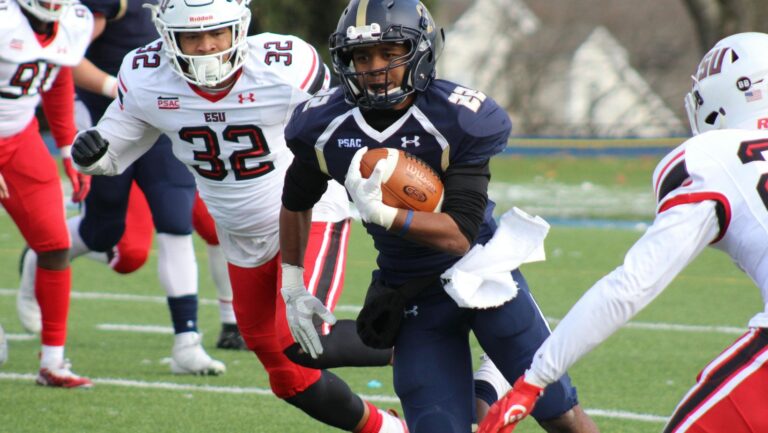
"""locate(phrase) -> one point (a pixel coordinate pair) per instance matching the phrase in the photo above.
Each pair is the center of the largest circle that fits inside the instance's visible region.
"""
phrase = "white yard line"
(648, 326)
(169, 386)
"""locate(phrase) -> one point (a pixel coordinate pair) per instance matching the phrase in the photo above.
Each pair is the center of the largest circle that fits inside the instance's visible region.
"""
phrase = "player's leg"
(260, 312)
(510, 335)
(170, 191)
(96, 230)
(433, 365)
(3, 347)
(36, 206)
(324, 267)
(730, 392)
(229, 337)
(132, 251)
(490, 385)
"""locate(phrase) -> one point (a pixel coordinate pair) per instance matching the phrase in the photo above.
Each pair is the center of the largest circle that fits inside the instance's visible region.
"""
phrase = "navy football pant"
(433, 363)
(167, 184)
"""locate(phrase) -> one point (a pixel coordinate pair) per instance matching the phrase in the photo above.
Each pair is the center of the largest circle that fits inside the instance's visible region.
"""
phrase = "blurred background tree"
(715, 19)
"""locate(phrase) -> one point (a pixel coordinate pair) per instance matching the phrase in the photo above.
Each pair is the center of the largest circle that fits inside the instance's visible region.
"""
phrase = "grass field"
(629, 384)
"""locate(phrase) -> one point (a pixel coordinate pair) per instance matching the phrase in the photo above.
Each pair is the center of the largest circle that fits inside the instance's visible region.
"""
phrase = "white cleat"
(62, 377)
(189, 357)
(3, 346)
(26, 302)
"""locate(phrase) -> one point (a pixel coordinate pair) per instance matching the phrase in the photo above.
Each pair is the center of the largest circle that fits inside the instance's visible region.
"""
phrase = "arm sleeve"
(303, 187)
(59, 108)
(466, 196)
(676, 237)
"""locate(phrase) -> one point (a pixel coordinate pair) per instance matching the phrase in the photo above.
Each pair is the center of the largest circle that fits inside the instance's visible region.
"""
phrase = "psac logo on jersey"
(346, 143)
(170, 103)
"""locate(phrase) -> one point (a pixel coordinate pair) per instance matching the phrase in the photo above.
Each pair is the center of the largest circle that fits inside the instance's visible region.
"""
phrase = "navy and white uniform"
(167, 185)
(446, 125)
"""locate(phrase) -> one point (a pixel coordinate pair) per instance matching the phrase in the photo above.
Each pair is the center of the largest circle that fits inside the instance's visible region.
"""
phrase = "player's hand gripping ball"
(408, 182)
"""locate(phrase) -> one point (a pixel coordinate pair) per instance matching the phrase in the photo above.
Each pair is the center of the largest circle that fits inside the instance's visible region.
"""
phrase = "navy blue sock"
(183, 313)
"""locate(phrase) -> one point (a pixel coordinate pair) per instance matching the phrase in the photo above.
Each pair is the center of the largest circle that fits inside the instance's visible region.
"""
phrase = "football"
(408, 182)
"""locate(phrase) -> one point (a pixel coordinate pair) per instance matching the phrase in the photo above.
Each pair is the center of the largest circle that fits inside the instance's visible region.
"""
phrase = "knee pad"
(286, 378)
(436, 421)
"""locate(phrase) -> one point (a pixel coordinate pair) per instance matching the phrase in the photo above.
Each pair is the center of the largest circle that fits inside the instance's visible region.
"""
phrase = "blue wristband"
(407, 225)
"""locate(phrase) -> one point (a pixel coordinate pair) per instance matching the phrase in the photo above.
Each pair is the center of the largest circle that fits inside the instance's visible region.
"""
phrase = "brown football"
(408, 182)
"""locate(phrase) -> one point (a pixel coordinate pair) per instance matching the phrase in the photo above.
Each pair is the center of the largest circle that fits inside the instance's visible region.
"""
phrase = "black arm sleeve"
(466, 196)
(303, 187)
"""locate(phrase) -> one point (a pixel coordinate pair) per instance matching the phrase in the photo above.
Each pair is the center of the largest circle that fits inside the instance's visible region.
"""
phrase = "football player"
(223, 99)
(711, 190)
(385, 55)
(166, 183)
(41, 41)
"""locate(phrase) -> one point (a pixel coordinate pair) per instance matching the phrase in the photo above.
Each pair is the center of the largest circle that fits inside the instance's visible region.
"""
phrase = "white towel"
(482, 278)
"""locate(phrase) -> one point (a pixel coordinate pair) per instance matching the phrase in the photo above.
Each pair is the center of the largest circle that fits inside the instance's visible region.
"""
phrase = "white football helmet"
(46, 10)
(730, 88)
(176, 16)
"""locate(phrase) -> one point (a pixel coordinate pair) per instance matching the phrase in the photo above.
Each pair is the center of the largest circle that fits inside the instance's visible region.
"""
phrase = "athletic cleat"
(26, 302)
(189, 357)
(3, 346)
(62, 377)
(230, 338)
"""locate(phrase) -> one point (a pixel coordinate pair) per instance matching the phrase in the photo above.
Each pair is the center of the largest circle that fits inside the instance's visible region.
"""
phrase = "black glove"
(379, 321)
(88, 148)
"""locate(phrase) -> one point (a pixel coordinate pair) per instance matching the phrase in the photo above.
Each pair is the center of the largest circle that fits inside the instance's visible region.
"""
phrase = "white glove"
(300, 308)
(366, 193)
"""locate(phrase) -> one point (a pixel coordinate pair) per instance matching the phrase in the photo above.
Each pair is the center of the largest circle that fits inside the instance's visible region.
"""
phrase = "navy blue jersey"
(447, 125)
(129, 26)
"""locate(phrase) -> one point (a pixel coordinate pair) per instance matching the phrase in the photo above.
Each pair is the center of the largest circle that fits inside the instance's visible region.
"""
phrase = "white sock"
(217, 267)
(391, 423)
(78, 247)
(176, 264)
(488, 372)
(51, 356)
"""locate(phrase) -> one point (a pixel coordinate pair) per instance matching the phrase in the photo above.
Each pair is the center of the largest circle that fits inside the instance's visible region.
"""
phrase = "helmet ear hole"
(712, 118)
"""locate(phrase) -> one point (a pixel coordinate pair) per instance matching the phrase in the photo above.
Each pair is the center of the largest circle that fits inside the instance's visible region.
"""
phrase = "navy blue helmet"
(370, 22)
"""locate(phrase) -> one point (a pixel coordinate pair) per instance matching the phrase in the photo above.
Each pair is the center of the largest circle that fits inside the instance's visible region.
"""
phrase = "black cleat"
(230, 338)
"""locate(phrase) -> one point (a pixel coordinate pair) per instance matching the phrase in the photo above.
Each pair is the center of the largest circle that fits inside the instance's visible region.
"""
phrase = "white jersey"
(711, 190)
(232, 141)
(27, 67)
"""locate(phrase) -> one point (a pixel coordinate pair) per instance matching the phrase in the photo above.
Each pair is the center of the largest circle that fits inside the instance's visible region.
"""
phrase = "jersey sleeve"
(484, 125)
(674, 239)
(124, 125)
(684, 176)
(294, 60)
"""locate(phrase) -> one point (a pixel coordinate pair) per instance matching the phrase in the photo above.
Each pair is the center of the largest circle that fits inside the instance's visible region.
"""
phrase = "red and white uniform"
(34, 67)
(233, 143)
(711, 190)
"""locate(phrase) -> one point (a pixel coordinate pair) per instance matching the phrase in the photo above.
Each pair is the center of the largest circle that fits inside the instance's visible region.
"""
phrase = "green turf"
(638, 371)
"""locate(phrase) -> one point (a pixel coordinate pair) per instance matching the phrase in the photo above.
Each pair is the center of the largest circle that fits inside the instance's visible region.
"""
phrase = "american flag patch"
(753, 95)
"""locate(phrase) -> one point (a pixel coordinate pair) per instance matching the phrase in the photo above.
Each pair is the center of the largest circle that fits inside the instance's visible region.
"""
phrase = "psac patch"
(171, 103)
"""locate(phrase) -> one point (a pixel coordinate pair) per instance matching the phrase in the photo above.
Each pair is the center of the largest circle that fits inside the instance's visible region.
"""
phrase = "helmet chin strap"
(210, 70)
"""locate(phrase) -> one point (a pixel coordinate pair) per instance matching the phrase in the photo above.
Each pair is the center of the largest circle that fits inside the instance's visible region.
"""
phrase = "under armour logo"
(61, 50)
(414, 311)
(405, 141)
(241, 98)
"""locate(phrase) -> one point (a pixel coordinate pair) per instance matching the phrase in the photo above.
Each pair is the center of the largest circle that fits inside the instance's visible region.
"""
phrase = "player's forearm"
(435, 230)
(294, 234)
(665, 249)
(89, 77)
